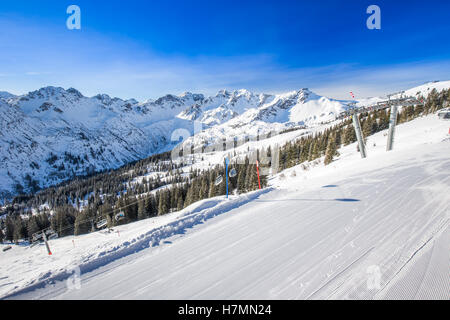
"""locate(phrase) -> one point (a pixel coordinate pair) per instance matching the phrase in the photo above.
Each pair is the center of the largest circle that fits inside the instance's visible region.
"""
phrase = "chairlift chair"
(51, 234)
(36, 237)
(101, 224)
(120, 216)
(444, 114)
(218, 181)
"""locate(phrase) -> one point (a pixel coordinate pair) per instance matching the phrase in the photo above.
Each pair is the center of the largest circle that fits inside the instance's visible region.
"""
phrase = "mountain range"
(53, 134)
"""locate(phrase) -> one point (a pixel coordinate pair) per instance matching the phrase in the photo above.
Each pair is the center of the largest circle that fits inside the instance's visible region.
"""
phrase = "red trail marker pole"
(46, 243)
(257, 171)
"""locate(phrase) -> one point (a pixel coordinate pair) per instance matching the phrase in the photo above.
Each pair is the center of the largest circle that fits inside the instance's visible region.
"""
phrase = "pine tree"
(203, 191)
(83, 223)
(19, 230)
(142, 213)
(188, 199)
(32, 226)
(349, 135)
(384, 120)
(331, 150)
(180, 203)
(151, 206)
(130, 208)
(174, 197)
(43, 221)
(338, 137)
(212, 186)
(163, 207)
(251, 178)
(9, 224)
(315, 151)
(367, 128)
(63, 220)
(241, 179)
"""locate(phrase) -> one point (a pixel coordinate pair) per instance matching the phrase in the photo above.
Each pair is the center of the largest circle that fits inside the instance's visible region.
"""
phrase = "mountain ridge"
(53, 134)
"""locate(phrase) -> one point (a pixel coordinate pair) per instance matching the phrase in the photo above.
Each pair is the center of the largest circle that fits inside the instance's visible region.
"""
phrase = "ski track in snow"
(314, 235)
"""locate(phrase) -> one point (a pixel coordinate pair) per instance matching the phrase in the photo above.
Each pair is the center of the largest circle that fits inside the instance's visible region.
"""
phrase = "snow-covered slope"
(360, 229)
(50, 135)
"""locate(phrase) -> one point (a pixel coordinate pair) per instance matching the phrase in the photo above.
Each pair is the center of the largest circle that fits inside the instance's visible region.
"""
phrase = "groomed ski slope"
(318, 234)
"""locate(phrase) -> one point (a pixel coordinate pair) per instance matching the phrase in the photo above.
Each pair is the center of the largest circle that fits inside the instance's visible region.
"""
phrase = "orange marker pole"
(257, 171)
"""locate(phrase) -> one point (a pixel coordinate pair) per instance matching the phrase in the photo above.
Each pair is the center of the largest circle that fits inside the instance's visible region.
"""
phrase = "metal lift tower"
(394, 104)
(357, 126)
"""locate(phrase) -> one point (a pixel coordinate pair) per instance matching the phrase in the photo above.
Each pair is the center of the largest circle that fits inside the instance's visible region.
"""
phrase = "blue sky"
(145, 49)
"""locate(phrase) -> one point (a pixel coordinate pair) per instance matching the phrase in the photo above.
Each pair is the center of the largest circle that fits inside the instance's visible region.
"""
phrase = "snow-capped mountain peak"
(6, 95)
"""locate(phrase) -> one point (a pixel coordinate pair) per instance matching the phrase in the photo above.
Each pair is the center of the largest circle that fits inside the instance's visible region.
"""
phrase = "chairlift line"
(83, 221)
(120, 216)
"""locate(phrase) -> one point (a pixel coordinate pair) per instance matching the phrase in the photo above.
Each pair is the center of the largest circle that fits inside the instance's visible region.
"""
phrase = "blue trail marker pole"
(226, 173)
